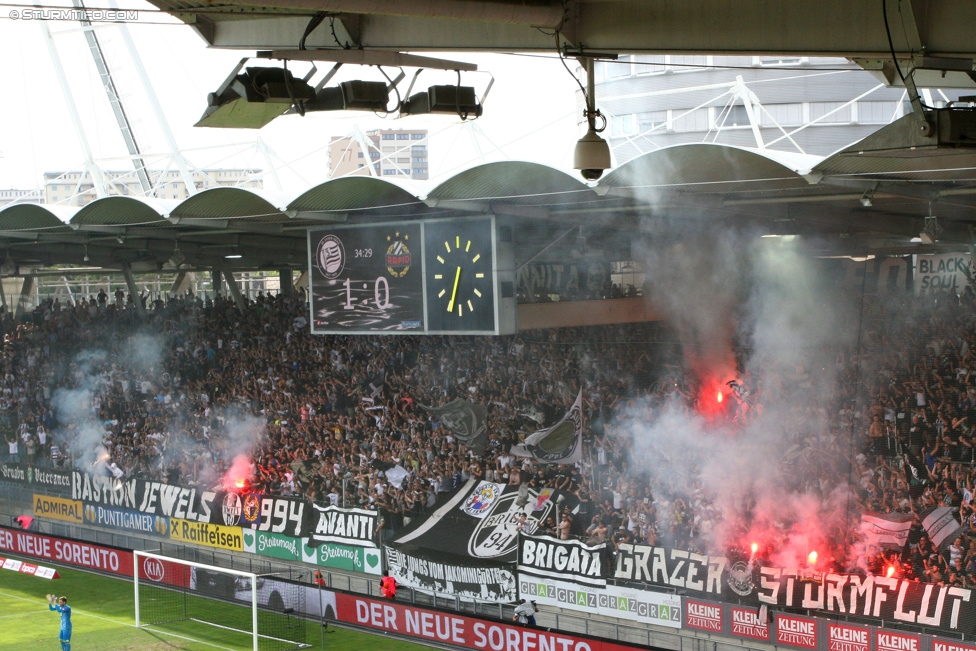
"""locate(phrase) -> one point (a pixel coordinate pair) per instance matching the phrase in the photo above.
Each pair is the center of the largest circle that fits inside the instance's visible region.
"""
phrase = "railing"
(16, 500)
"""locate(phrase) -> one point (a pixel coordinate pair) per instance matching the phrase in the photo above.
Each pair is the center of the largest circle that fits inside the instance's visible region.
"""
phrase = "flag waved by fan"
(467, 421)
(561, 443)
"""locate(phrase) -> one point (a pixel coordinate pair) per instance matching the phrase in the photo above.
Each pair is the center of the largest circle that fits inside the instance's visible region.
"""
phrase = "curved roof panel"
(28, 216)
(513, 181)
(704, 167)
(353, 193)
(233, 203)
(120, 211)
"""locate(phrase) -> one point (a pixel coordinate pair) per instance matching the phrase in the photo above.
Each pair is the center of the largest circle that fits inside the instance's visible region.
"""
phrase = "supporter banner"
(844, 637)
(105, 516)
(566, 560)
(150, 497)
(942, 272)
(330, 524)
(887, 530)
(57, 508)
(561, 443)
(892, 599)
(645, 606)
(456, 630)
(203, 533)
(272, 544)
(466, 420)
(941, 525)
(285, 515)
(569, 280)
(485, 582)
(343, 557)
(478, 523)
(28, 568)
(56, 480)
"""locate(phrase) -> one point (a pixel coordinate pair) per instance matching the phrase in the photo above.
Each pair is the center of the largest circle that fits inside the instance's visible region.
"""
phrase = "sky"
(530, 112)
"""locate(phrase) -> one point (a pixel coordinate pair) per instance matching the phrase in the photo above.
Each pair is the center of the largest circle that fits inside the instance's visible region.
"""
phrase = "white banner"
(942, 272)
(644, 606)
(888, 530)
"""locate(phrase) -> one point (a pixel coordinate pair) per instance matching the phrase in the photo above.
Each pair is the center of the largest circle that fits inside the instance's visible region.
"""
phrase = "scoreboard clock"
(459, 271)
(423, 277)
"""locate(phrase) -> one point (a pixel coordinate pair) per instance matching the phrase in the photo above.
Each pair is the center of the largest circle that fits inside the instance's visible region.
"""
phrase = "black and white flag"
(466, 420)
(886, 530)
(561, 443)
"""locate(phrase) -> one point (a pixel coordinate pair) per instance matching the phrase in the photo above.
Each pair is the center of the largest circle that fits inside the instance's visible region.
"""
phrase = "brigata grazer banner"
(700, 576)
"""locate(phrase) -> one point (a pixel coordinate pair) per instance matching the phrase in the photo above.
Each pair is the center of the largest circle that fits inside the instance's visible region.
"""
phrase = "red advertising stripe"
(85, 555)
(796, 631)
(458, 630)
(842, 637)
(703, 616)
(888, 641)
(951, 645)
(746, 623)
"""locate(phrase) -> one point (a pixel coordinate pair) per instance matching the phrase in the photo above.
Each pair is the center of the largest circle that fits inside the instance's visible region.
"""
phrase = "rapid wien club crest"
(398, 258)
(496, 534)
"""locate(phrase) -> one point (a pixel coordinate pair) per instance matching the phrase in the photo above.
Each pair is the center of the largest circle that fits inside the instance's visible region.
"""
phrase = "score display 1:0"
(381, 304)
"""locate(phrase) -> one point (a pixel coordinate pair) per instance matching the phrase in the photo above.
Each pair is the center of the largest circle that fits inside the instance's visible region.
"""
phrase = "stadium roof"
(848, 203)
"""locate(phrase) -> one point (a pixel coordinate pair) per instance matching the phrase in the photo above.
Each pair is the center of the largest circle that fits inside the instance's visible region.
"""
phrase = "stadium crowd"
(181, 392)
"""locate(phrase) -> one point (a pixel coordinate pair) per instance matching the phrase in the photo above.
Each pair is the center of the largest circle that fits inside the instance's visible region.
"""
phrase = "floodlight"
(254, 98)
(352, 96)
(456, 100)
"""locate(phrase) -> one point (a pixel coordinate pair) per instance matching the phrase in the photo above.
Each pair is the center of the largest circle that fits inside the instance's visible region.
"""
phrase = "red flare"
(720, 396)
(812, 558)
(239, 483)
(755, 548)
(890, 572)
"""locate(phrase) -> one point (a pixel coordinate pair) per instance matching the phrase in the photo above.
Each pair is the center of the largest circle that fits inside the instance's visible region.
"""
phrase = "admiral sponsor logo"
(706, 617)
(353, 526)
(846, 638)
(671, 567)
(12, 473)
(561, 558)
(746, 623)
(896, 642)
(796, 632)
(251, 509)
(58, 508)
(281, 515)
(481, 500)
(230, 509)
(153, 569)
(202, 533)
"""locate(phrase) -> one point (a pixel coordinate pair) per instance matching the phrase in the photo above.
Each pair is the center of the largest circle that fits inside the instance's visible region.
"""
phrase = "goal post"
(266, 613)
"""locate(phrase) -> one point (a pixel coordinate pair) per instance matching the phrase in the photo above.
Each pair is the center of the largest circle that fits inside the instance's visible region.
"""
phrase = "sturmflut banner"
(717, 578)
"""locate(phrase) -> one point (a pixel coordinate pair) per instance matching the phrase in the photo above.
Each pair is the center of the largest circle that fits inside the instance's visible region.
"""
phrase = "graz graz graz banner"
(925, 604)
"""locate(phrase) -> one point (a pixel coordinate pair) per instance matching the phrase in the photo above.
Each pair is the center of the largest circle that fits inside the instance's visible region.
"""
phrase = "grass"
(103, 620)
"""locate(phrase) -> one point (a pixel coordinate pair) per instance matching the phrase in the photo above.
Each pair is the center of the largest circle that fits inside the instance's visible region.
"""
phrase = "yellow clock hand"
(457, 277)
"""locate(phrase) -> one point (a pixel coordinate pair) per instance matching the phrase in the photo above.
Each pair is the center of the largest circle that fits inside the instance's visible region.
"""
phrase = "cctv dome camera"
(592, 156)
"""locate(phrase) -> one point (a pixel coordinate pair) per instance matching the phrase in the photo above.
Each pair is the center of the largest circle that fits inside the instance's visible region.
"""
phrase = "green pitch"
(102, 616)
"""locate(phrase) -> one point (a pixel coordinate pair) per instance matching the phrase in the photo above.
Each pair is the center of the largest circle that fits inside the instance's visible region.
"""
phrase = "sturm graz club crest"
(398, 256)
(330, 257)
(231, 509)
(740, 579)
(496, 534)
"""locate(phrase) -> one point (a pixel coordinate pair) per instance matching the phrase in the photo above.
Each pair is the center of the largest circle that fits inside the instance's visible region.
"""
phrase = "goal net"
(206, 602)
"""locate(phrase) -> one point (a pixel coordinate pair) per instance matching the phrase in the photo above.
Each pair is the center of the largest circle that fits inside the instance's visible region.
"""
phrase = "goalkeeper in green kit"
(61, 605)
